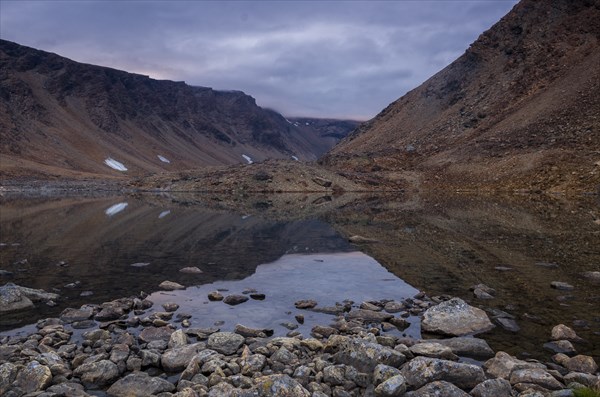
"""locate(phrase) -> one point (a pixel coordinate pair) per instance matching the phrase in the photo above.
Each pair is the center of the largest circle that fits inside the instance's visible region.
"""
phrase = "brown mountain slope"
(63, 118)
(520, 109)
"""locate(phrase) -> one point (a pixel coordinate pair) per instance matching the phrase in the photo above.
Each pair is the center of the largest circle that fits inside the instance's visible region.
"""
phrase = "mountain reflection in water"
(443, 245)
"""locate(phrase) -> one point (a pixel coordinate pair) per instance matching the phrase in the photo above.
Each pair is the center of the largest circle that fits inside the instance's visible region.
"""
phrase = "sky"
(329, 59)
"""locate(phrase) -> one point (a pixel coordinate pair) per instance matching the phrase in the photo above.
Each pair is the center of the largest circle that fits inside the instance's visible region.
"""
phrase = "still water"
(92, 250)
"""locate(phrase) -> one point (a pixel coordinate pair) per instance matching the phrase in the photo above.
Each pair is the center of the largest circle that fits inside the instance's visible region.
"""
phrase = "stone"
(503, 364)
(70, 315)
(361, 240)
(8, 373)
(433, 350)
(594, 276)
(253, 332)
(69, 389)
(508, 324)
(170, 306)
(177, 358)
(109, 313)
(279, 386)
(423, 370)
(139, 384)
(191, 270)
(322, 181)
(305, 304)
(225, 342)
(455, 318)
(483, 288)
(215, 296)
(235, 299)
(284, 356)
(370, 306)
(492, 388)
(393, 307)
(361, 354)
(334, 375)
(467, 347)
(99, 373)
(170, 286)
(562, 332)
(561, 286)
(560, 346)
(439, 389)
(383, 372)
(34, 377)
(370, 316)
(581, 363)
(150, 334)
(392, 387)
(178, 339)
(588, 380)
(536, 376)
(12, 299)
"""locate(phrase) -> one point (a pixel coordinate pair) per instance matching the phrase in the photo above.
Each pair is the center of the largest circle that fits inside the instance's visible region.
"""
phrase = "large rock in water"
(14, 297)
(456, 318)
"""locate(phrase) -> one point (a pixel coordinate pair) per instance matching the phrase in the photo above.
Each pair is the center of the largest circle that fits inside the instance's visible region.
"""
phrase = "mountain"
(330, 130)
(520, 109)
(63, 118)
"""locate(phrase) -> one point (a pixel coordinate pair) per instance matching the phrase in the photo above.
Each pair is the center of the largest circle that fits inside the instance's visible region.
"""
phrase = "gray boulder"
(438, 389)
(177, 358)
(423, 370)
(492, 388)
(361, 354)
(34, 377)
(139, 384)
(99, 373)
(225, 342)
(393, 387)
(455, 318)
(279, 386)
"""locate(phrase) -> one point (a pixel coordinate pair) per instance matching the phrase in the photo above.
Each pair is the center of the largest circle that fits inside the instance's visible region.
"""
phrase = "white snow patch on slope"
(247, 158)
(163, 214)
(115, 209)
(115, 165)
(163, 159)
(294, 158)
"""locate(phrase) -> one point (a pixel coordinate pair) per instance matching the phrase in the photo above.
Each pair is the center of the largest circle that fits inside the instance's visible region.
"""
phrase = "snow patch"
(163, 159)
(247, 158)
(115, 209)
(307, 123)
(140, 264)
(294, 158)
(114, 164)
(163, 214)
(289, 122)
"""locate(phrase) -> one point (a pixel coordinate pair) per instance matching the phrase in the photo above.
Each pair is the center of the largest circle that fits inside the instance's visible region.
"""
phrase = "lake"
(291, 247)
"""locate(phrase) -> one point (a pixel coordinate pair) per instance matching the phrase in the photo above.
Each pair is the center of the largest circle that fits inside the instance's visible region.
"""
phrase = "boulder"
(99, 373)
(492, 388)
(12, 299)
(34, 377)
(439, 389)
(455, 318)
(423, 370)
(369, 316)
(235, 299)
(581, 363)
(536, 376)
(467, 347)
(361, 354)
(503, 364)
(139, 384)
(562, 332)
(392, 387)
(225, 342)
(8, 373)
(433, 350)
(170, 286)
(279, 386)
(177, 358)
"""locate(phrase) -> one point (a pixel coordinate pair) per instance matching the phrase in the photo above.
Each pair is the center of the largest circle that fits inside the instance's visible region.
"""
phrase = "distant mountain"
(63, 118)
(520, 109)
(330, 130)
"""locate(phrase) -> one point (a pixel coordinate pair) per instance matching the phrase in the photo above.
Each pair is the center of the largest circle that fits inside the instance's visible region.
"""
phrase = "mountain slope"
(520, 109)
(59, 117)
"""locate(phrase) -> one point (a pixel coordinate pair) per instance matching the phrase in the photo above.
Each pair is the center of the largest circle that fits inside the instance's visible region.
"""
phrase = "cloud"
(324, 59)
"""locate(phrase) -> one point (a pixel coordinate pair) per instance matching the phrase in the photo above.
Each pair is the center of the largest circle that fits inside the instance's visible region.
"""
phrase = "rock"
(536, 376)
(34, 377)
(562, 332)
(361, 240)
(393, 307)
(170, 306)
(279, 386)
(483, 288)
(492, 388)
(170, 286)
(456, 318)
(393, 387)
(235, 299)
(225, 342)
(70, 315)
(334, 375)
(322, 181)
(581, 363)
(68, 389)
(99, 373)
(139, 384)
(323, 331)
(150, 334)
(560, 346)
(383, 372)
(508, 324)
(439, 389)
(191, 270)
(561, 285)
(177, 358)
(215, 296)
(503, 364)
(12, 299)
(109, 313)
(370, 306)
(423, 370)
(588, 380)
(479, 294)
(252, 332)
(258, 296)
(433, 350)
(140, 264)
(8, 373)
(305, 304)
(362, 355)
(369, 316)
(594, 276)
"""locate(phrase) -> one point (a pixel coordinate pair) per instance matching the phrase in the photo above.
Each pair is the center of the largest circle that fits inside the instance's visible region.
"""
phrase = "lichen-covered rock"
(361, 354)
(150, 334)
(100, 373)
(139, 384)
(492, 388)
(562, 332)
(581, 363)
(225, 342)
(8, 373)
(279, 386)
(383, 372)
(392, 387)
(423, 370)
(455, 318)
(536, 376)
(12, 299)
(177, 358)
(503, 364)
(34, 377)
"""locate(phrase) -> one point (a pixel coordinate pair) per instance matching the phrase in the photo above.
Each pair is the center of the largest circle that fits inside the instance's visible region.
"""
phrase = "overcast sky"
(345, 59)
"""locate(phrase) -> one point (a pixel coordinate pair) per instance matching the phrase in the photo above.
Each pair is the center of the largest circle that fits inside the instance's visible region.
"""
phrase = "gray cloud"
(324, 59)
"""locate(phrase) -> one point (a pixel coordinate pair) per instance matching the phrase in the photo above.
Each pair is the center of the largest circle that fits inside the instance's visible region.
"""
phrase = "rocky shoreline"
(127, 347)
